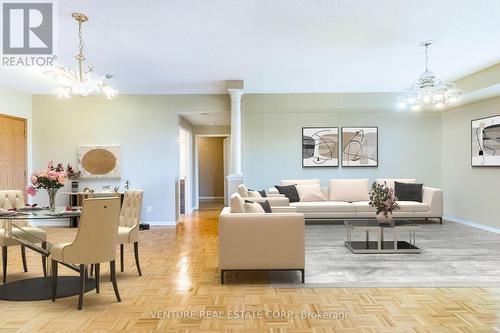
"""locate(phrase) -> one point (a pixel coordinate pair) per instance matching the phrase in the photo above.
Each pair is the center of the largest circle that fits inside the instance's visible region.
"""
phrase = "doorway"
(183, 188)
(13, 153)
(212, 167)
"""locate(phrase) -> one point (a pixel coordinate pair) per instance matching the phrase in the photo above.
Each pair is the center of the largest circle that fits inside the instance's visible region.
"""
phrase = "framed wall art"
(485, 141)
(99, 161)
(359, 146)
(320, 147)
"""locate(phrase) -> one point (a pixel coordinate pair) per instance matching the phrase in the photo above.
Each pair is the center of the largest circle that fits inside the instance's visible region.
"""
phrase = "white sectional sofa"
(348, 198)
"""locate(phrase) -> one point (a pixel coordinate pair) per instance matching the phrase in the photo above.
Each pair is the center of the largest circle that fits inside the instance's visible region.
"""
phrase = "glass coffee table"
(381, 245)
(38, 288)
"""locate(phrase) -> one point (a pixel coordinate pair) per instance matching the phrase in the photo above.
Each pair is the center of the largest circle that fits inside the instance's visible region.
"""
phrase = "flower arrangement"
(51, 179)
(54, 177)
(383, 199)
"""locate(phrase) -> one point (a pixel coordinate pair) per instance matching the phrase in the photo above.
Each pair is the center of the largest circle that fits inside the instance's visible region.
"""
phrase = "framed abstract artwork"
(320, 147)
(99, 161)
(485, 141)
(359, 146)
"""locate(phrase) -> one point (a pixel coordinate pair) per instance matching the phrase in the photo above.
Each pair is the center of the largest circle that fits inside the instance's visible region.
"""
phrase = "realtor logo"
(27, 28)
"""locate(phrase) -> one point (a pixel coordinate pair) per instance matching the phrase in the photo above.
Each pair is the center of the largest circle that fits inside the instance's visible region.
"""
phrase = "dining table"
(38, 288)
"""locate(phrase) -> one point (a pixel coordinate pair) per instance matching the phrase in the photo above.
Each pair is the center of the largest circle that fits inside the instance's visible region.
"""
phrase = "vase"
(74, 186)
(384, 218)
(52, 198)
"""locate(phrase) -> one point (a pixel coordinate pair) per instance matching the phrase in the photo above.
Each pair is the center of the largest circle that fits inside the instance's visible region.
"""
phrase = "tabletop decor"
(383, 199)
(51, 179)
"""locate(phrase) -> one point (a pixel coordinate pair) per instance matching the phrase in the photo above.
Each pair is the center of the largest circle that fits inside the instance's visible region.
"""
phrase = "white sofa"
(348, 198)
(257, 241)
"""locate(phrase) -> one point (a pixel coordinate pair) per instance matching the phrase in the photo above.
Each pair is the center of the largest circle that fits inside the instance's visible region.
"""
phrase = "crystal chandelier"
(429, 91)
(80, 82)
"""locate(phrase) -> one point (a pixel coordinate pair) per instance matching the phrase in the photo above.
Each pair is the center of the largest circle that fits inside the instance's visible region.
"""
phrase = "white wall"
(409, 143)
(145, 125)
(16, 103)
(471, 194)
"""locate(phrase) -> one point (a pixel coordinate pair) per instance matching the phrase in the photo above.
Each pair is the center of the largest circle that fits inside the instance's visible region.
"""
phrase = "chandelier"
(80, 82)
(429, 91)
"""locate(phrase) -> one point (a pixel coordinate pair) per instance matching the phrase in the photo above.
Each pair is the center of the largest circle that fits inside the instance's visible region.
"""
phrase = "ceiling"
(193, 46)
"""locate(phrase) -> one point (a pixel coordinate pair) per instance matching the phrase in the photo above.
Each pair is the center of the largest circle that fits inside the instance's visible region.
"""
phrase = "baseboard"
(210, 198)
(472, 224)
(160, 223)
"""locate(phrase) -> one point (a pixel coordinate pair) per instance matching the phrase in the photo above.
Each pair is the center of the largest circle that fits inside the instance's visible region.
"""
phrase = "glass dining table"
(17, 227)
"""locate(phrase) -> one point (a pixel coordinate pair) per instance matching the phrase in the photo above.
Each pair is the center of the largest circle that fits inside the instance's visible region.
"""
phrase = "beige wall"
(211, 167)
(409, 142)
(146, 126)
(471, 194)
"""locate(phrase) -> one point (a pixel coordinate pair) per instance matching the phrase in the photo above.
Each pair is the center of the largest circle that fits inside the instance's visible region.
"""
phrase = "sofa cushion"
(363, 206)
(243, 190)
(253, 208)
(289, 191)
(390, 181)
(310, 193)
(412, 206)
(323, 206)
(349, 190)
(237, 204)
(300, 182)
(408, 192)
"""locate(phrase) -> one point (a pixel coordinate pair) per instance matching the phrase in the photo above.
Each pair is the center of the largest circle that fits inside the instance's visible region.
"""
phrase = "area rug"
(453, 255)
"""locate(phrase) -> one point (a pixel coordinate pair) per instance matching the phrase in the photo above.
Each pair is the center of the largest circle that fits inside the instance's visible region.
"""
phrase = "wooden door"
(13, 153)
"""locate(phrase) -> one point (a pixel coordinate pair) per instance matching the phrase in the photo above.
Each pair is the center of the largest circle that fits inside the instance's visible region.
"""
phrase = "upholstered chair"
(10, 199)
(95, 242)
(128, 231)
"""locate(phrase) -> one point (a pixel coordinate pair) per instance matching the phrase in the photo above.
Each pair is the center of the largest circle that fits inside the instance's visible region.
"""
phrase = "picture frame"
(320, 147)
(485, 141)
(359, 146)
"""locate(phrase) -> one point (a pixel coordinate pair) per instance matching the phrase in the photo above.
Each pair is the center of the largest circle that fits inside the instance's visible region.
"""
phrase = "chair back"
(12, 199)
(97, 234)
(130, 214)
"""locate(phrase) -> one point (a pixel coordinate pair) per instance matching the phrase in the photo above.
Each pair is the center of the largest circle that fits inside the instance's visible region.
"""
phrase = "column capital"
(236, 94)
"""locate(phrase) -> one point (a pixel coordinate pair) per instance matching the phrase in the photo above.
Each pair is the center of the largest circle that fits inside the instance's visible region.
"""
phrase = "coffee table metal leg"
(395, 239)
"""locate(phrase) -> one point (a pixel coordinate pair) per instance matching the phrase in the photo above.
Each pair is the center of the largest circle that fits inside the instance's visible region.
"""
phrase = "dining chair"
(128, 230)
(95, 243)
(10, 199)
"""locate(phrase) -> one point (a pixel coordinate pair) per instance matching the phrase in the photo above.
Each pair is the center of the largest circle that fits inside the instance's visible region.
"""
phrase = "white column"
(235, 176)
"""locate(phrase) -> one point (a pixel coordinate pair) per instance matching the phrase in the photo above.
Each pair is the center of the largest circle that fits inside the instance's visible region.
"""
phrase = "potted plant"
(51, 179)
(383, 199)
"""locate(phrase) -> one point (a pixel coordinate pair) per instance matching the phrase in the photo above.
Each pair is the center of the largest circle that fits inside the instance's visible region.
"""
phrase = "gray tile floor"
(452, 255)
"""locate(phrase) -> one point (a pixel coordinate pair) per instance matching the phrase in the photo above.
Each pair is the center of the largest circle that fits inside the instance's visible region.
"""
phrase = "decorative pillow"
(254, 194)
(243, 190)
(263, 193)
(254, 208)
(310, 193)
(237, 204)
(289, 191)
(408, 192)
(265, 205)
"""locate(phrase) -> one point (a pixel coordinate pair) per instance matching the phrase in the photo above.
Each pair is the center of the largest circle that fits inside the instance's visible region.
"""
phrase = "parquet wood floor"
(180, 274)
